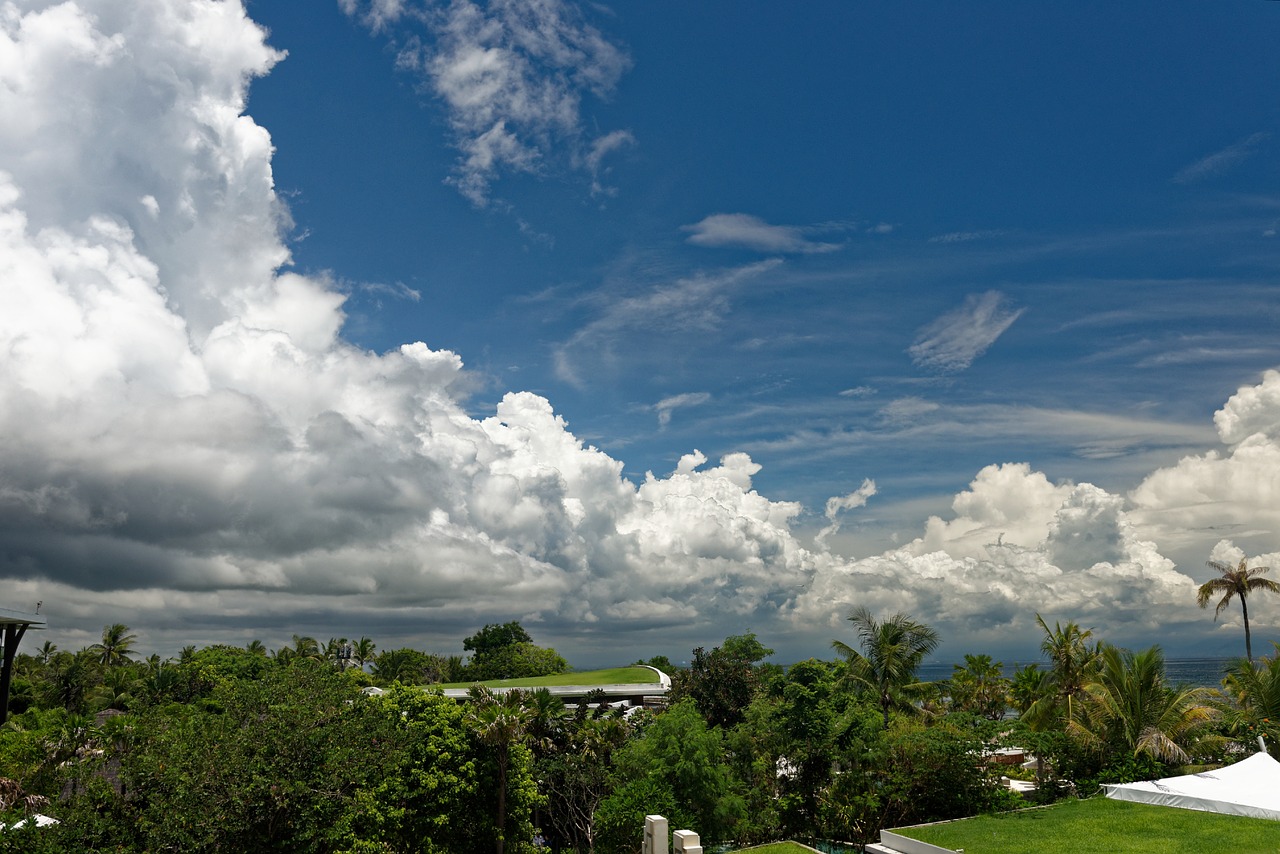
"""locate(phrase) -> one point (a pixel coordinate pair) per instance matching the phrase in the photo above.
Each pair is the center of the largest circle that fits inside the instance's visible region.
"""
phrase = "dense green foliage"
(241, 749)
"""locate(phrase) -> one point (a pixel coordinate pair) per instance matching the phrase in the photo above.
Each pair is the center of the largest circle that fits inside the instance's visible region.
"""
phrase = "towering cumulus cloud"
(184, 429)
(187, 443)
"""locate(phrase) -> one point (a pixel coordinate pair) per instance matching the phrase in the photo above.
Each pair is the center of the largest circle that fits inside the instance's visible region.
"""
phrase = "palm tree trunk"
(502, 799)
(1248, 643)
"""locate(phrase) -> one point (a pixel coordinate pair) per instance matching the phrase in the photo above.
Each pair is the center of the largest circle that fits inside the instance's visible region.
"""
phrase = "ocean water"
(1197, 672)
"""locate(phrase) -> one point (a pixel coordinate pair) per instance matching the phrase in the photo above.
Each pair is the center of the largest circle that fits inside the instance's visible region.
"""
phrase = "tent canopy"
(1250, 787)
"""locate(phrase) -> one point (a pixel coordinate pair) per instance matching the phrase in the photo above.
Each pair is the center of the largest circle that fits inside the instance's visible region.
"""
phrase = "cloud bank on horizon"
(189, 445)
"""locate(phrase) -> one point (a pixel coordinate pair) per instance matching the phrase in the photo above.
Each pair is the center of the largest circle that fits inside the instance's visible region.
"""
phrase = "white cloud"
(696, 303)
(187, 441)
(1233, 491)
(966, 236)
(511, 76)
(743, 231)
(668, 405)
(1013, 549)
(837, 504)
(955, 339)
(189, 446)
(601, 147)
(1220, 161)
(1251, 410)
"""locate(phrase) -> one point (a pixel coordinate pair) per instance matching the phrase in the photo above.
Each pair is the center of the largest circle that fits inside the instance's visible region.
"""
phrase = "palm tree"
(1252, 690)
(362, 652)
(891, 652)
(305, 646)
(1072, 662)
(1129, 705)
(500, 721)
(979, 687)
(257, 647)
(47, 649)
(1239, 581)
(116, 646)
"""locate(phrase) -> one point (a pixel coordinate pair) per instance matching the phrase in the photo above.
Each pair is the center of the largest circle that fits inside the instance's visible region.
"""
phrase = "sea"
(1196, 672)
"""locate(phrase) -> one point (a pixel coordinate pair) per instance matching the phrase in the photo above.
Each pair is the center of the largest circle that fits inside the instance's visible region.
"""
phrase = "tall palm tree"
(117, 645)
(500, 721)
(1239, 581)
(891, 652)
(1129, 705)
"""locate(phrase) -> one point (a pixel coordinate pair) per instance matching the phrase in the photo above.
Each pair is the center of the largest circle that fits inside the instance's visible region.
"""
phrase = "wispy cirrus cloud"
(1221, 161)
(667, 405)
(693, 303)
(955, 339)
(966, 236)
(744, 231)
(511, 77)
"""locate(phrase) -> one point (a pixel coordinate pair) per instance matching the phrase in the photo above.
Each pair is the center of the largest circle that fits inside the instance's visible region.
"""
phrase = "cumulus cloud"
(743, 231)
(187, 441)
(955, 339)
(188, 445)
(1220, 161)
(511, 75)
(1233, 490)
(1015, 545)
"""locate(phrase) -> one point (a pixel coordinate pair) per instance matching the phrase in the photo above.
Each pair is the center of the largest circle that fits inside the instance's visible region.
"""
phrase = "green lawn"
(611, 676)
(779, 848)
(1099, 825)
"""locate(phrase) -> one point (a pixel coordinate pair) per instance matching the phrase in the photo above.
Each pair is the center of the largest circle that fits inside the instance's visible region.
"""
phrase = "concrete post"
(655, 834)
(686, 842)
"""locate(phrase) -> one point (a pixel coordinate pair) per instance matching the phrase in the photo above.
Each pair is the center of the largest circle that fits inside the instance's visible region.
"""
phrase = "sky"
(643, 324)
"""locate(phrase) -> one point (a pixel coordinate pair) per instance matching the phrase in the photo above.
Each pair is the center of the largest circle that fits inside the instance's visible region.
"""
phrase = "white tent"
(1249, 787)
(40, 819)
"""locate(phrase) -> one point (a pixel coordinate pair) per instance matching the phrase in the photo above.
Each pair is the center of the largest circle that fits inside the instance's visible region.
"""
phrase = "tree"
(273, 764)
(430, 797)
(1129, 707)
(1253, 692)
(362, 652)
(577, 777)
(677, 765)
(410, 666)
(494, 637)
(891, 652)
(1236, 581)
(979, 687)
(719, 682)
(116, 646)
(306, 647)
(500, 721)
(1072, 662)
(507, 651)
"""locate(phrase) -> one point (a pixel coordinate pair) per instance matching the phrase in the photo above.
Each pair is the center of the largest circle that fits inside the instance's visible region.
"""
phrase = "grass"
(611, 676)
(779, 848)
(1099, 825)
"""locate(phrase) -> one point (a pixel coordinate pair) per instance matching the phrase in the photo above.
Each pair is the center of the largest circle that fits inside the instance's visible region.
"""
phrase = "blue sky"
(1076, 165)
(1004, 261)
